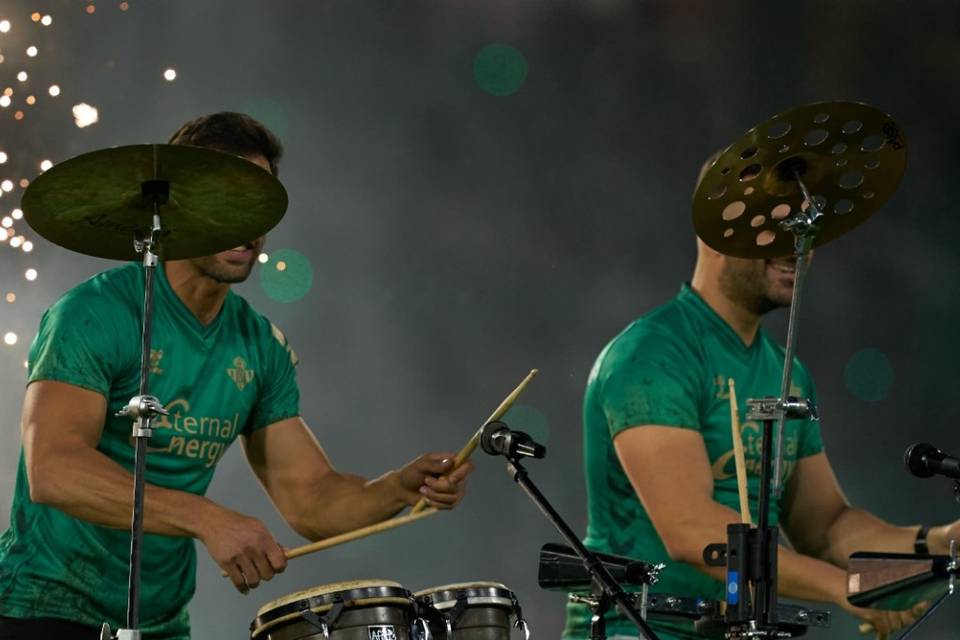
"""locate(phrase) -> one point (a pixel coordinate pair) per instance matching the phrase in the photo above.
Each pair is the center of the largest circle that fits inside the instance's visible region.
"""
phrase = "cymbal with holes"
(93, 203)
(849, 154)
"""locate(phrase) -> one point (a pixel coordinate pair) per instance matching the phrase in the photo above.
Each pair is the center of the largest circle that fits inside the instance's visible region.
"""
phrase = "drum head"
(475, 593)
(319, 599)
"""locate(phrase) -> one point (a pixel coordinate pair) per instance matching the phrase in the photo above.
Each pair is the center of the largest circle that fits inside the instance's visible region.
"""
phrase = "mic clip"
(498, 439)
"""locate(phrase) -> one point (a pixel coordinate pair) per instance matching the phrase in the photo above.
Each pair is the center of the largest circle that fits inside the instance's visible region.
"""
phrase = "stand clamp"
(774, 408)
(142, 409)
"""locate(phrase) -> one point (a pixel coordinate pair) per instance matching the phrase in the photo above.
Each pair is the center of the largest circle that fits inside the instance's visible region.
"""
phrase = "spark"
(31, 100)
(6, 222)
(281, 266)
(11, 297)
(32, 51)
(10, 338)
(170, 75)
(35, 16)
(22, 76)
(4, 234)
(7, 185)
(46, 20)
(27, 246)
(4, 26)
(16, 241)
(16, 214)
(4, 101)
(84, 115)
(263, 258)
(45, 165)
(54, 90)
(30, 274)
(3, 157)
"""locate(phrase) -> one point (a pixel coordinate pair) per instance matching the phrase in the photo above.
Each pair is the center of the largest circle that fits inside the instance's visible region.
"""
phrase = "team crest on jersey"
(155, 356)
(240, 374)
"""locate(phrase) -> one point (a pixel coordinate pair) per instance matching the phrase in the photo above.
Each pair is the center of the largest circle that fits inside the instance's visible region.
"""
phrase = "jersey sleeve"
(77, 343)
(279, 395)
(647, 378)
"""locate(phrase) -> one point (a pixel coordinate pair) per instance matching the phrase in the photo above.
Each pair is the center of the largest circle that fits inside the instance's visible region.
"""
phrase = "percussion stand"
(606, 587)
(750, 554)
(143, 408)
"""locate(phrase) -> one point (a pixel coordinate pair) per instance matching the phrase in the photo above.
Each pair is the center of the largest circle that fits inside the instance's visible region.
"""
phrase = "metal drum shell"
(366, 604)
(486, 616)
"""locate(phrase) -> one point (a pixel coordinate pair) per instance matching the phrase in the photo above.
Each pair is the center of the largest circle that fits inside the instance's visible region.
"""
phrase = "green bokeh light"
(528, 419)
(869, 375)
(269, 112)
(287, 276)
(500, 69)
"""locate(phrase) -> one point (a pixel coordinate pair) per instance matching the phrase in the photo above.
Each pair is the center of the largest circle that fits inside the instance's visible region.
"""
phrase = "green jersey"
(671, 368)
(231, 377)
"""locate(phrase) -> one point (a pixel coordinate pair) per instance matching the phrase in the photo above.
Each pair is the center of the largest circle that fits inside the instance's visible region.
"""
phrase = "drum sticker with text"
(381, 632)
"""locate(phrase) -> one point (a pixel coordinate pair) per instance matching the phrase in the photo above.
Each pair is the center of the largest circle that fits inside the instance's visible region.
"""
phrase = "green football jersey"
(231, 377)
(671, 367)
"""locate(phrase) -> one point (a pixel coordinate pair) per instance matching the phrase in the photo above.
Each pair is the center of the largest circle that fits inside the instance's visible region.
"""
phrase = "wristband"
(920, 542)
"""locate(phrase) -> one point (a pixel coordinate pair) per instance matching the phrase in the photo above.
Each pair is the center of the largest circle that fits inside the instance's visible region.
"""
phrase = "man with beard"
(224, 371)
(661, 479)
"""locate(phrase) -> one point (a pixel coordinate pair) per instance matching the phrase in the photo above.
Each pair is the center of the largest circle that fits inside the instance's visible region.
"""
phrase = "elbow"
(684, 549)
(41, 482)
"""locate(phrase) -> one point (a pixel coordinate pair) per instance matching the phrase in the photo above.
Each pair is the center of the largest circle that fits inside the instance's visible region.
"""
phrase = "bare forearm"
(88, 485)
(799, 576)
(343, 502)
(858, 530)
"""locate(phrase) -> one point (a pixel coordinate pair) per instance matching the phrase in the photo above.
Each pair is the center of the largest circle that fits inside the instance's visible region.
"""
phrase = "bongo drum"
(470, 611)
(357, 610)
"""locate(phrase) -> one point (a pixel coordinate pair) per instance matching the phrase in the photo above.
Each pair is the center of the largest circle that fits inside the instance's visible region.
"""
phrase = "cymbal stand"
(953, 568)
(750, 554)
(143, 408)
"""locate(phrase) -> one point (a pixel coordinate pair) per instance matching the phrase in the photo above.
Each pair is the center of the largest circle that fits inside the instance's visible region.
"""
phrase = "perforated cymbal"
(93, 204)
(850, 155)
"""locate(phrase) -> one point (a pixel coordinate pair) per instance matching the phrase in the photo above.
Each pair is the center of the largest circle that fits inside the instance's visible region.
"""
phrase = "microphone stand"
(608, 589)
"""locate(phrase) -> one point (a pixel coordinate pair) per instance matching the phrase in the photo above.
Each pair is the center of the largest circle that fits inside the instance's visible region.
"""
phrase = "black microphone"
(498, 439)
(924, 461)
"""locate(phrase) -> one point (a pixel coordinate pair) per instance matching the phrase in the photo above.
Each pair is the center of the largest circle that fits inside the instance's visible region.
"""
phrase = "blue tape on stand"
(733, 587)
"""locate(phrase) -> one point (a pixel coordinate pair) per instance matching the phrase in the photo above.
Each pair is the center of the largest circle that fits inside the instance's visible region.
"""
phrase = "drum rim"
(360, 594)
(477, 593)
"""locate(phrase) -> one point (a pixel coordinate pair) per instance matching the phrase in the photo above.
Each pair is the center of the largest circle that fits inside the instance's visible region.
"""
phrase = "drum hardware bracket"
(774, 408)
(142, 409)
(322, 622)
(605, 582)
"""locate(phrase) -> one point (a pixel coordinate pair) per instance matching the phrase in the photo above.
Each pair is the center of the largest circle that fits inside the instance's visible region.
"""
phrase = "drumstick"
(356, 534)
(475, 440)
(738, 456)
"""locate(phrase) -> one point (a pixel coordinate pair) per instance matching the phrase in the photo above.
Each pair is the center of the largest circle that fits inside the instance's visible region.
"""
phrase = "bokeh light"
(3, 157)
(10, 338)
(31, 100)
(11, 297)
(16, 214)
(499, 69)
(291, 282)
(30, 274)
(263, 258)
(45, 165)
(4, 101)
(7, 185)
(27, 246)
(170, 75)
(869, 375)
(46, 20)
(85, 115)
(16, 241)
(22, 76)
(54, 90)
(35, 16)
(4, 26)
(32, 51)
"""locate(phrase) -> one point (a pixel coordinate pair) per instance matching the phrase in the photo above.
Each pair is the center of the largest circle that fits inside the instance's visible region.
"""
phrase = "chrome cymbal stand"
(143, 408)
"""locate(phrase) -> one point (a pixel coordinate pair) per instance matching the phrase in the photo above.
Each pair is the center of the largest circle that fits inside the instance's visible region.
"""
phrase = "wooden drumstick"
(738, 456)
(356, 534)
(475, 440)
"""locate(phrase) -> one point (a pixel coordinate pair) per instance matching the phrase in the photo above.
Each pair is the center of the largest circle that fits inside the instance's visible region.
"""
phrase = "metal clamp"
(142, 409)
(126, 634)
(424, 628)
(770, 408)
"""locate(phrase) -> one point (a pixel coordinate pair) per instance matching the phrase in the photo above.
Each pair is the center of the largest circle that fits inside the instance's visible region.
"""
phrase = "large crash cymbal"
(850, 155)
(93, 203)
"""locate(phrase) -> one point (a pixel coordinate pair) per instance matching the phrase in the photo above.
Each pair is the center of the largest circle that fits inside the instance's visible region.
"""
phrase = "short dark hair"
(231, 132)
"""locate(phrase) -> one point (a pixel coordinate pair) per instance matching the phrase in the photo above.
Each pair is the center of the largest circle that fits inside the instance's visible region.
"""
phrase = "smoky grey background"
(459, 239)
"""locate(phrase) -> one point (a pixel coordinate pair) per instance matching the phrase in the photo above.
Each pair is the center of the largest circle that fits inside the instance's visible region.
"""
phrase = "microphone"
(498, 439)
(562, 568)
(924, 461)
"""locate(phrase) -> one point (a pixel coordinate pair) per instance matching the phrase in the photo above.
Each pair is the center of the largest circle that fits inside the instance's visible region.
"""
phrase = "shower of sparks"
(85, 115)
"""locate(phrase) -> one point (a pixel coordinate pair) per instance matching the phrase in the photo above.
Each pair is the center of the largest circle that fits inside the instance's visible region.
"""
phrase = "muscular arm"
(820, 522)
(61, 427)
(318, 501)
(671, 474)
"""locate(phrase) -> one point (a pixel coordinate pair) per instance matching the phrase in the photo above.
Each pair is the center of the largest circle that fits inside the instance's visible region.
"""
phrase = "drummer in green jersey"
(224, 372)
(658, 450)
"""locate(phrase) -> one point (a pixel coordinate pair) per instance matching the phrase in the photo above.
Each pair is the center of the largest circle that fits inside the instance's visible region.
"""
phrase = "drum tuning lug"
(425, 628)
(522, 624)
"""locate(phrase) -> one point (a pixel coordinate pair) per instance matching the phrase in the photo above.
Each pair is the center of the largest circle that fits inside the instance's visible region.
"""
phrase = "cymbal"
(850, 155)
(92, 204)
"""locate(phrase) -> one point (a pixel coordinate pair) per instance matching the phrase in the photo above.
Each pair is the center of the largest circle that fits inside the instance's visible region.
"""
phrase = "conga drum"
(357, 610)
(470, 611)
